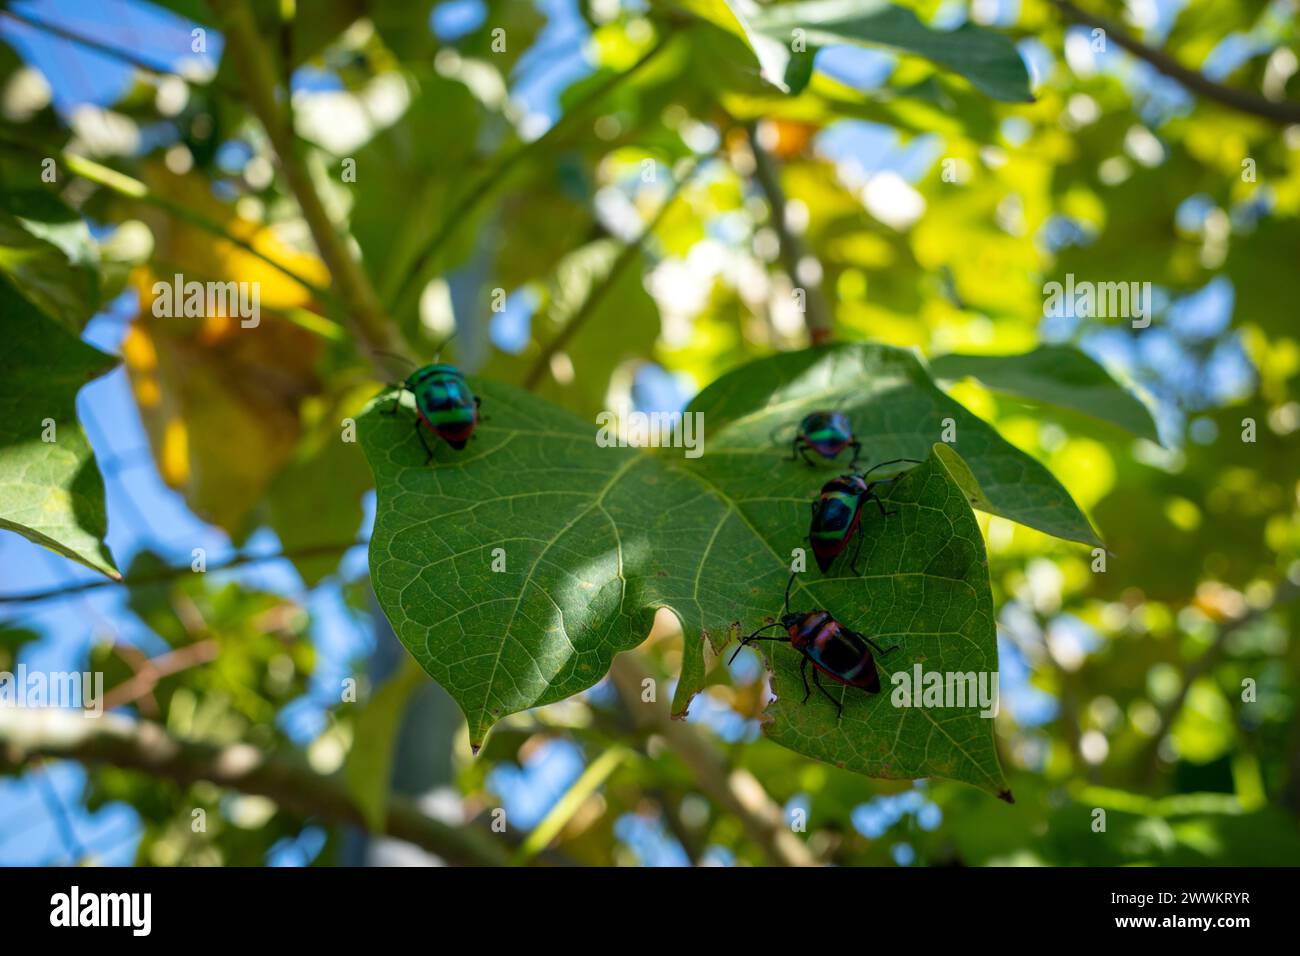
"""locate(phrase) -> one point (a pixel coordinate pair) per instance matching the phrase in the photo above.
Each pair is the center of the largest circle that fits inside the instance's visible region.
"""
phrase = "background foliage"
(615, 205)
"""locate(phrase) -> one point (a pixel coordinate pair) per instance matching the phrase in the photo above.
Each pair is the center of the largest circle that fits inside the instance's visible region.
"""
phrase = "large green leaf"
(51, 492)
(369, 767)
(595, 539)
(1059, 375)
(988, 59)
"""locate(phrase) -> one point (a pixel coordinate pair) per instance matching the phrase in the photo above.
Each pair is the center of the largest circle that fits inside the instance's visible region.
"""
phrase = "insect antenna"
(443, 344)
(892, 461)
(400, 358)
(751, 638)
(787, 592)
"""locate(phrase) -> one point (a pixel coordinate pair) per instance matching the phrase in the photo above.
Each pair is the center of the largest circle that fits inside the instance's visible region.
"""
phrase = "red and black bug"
(842, 655)
(826, 433)
(837, 513)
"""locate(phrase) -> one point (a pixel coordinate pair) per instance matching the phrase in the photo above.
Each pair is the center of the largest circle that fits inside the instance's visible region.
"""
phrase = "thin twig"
(266, 100)
(793, 250)
(621, 262)
(1279, 111)
(154, 669)
(162, 575)
(496, 173)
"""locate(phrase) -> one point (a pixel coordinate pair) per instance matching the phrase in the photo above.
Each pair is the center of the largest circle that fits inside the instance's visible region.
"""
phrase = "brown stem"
(1279, 111)
(793, 250)
(257, 68)
(154, 669)
(146, 747)
(736, 791)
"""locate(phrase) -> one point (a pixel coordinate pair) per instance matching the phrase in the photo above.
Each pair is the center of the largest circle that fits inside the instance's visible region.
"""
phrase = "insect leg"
(881, 650)
(857, 453)
(397, 399)
(854, 563)
(880, 504)
(803, 672)
(839, 708)
(428, 452)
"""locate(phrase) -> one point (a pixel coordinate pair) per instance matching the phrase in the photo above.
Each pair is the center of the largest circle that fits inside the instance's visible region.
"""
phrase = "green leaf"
(314, 503)
(1058, 375)
(47, 252)
(369, 768)
(595, 539)
(50, 491)
(924, 589)
(897, 412)
(771, 55)
(988, 59)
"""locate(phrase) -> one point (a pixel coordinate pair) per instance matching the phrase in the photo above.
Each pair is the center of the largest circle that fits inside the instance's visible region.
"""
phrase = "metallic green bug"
(443, 403)
(828, 434)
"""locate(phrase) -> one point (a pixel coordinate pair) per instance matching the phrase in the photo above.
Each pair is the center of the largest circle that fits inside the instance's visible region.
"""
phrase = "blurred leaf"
(50, 491)
(1059, 375)
(621, 326)
(207, 386)
(315, 501)
(989, 60)
(260, 663)
(369, 767)
(46, 251)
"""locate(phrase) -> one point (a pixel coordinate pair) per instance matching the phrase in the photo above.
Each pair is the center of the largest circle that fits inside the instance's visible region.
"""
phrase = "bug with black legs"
(841, 654)
(826, 433)
(444, 404)
(837, 513)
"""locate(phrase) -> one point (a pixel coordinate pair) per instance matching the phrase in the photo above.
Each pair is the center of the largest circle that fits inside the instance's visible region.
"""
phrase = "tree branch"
(146, 747)
(167, 574)
(257, 68)
(793, 250)
(1279, 111)
(736, 791)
